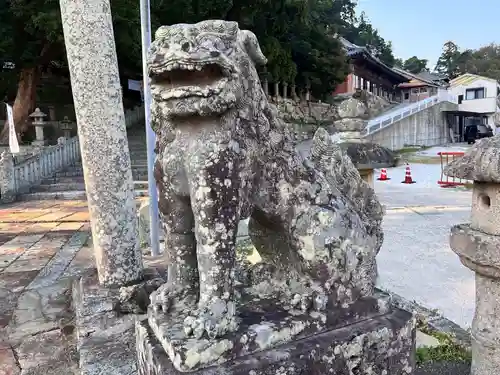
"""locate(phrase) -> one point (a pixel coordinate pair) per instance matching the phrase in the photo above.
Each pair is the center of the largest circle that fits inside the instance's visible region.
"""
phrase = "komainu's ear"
(251, 44)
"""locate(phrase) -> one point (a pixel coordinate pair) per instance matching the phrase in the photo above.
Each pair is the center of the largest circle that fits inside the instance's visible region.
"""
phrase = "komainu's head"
(203, 69)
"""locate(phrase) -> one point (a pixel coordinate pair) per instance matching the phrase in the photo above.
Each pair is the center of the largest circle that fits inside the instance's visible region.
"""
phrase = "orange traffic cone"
(383, 175)
(408, 179)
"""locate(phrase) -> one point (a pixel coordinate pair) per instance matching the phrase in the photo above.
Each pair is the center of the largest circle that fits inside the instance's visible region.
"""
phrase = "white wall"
(486, 105)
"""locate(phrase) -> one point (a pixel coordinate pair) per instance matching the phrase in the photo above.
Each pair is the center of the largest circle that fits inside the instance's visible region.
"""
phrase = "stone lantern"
(38, 120)
(66, 125)
(478, 246)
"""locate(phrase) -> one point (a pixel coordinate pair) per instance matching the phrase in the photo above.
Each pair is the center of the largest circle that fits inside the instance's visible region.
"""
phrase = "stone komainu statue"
(224, 156)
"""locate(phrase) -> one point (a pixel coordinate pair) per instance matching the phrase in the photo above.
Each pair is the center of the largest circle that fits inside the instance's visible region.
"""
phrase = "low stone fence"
(19, 176)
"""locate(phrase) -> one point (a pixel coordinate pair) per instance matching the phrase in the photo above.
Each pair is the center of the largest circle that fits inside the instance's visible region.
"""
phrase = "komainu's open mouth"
(184, 80)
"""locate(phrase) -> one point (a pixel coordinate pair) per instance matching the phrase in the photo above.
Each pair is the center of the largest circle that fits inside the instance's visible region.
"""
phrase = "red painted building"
(369, 73)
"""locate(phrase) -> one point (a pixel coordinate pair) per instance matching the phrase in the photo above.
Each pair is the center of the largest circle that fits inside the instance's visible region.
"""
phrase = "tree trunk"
(24, 104)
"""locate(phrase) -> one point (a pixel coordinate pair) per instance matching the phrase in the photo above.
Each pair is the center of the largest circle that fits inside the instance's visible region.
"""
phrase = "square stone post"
(93, 66)
(478, 246)
(7, 182)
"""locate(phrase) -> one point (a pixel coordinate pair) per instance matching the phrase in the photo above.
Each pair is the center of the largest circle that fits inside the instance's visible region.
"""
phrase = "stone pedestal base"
(39, 143)
(381, 344)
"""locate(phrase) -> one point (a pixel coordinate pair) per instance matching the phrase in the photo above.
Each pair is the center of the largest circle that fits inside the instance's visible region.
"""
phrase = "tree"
(415, 65)
(448, 62)
(31, 38)
(296, 35)
(362, 33)
(398, 63)
(484, 61)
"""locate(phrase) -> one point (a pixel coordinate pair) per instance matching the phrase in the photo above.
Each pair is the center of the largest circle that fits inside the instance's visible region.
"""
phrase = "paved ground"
(44, 244)
(416, 261)
(41, 245)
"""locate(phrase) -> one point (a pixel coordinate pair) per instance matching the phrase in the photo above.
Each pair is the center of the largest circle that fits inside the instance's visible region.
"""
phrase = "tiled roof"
(467, 79)
(423, 78)
(353, 50)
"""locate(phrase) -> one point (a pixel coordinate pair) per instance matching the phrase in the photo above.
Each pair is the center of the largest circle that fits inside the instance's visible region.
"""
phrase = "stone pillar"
(93, 66)
(276, 90)
(294, 92)
(265, 86)
(7, 182)
(477, 244)
(52, 113)
(285, 90)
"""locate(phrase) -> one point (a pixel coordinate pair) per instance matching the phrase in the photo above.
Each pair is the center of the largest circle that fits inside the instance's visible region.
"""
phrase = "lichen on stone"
(223, 156)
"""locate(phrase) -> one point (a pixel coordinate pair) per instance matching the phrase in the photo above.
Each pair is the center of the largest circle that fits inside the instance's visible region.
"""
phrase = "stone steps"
(67, 195)
(69, 184)
(58, 186)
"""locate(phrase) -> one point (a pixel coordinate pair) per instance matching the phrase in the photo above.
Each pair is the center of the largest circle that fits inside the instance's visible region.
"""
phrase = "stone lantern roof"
(480, 163)
(37, 114)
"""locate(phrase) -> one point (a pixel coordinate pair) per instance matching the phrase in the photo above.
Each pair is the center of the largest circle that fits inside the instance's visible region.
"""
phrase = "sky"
(421, 27)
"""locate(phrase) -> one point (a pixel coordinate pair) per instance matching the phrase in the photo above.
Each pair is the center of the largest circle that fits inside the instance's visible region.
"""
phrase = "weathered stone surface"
(302, 112)
(349, 124)
(382, 345)
(105, 324)
(39, 310)
(95, 82)
(369, 155)
(7, 181)
(8, 362)
(265, 324)
(480, 163)
(309, 216)
(476, 249)
(61, 260)
(48, 353)
(224, 156)
(479, 252)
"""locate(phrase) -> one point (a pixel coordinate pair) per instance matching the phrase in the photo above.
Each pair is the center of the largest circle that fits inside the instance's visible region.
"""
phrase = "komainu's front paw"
(169, 296)
(215, 318)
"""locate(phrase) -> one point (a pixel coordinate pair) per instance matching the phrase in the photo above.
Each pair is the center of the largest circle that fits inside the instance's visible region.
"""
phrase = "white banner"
(13, 145)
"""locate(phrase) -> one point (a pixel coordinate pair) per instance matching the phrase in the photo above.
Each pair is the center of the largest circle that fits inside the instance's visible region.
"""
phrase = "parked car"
(473, 132)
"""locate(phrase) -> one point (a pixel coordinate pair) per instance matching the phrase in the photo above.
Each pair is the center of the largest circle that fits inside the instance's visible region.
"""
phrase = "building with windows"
(477, 103)
(369, 73)
(420, 86)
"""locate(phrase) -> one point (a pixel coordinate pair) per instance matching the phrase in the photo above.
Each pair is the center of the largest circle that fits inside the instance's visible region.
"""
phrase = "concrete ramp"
(422, 123)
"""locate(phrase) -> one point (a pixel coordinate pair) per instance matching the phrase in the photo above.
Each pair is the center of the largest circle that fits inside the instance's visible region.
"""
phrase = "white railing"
(388, 119)
(51, 159)
(134, 116)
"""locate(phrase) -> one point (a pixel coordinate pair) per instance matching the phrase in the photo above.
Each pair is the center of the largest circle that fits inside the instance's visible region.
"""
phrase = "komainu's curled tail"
(339, 171)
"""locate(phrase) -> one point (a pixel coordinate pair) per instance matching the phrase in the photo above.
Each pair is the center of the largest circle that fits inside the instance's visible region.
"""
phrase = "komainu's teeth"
(199, 67)
(176, 66)
(169, 68)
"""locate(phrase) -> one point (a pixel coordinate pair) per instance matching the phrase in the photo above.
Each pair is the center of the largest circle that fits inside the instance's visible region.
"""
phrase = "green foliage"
(415, 65)
(362, 33)
(446, 351)
(297, 36)
(449, 61)
(484, 61)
